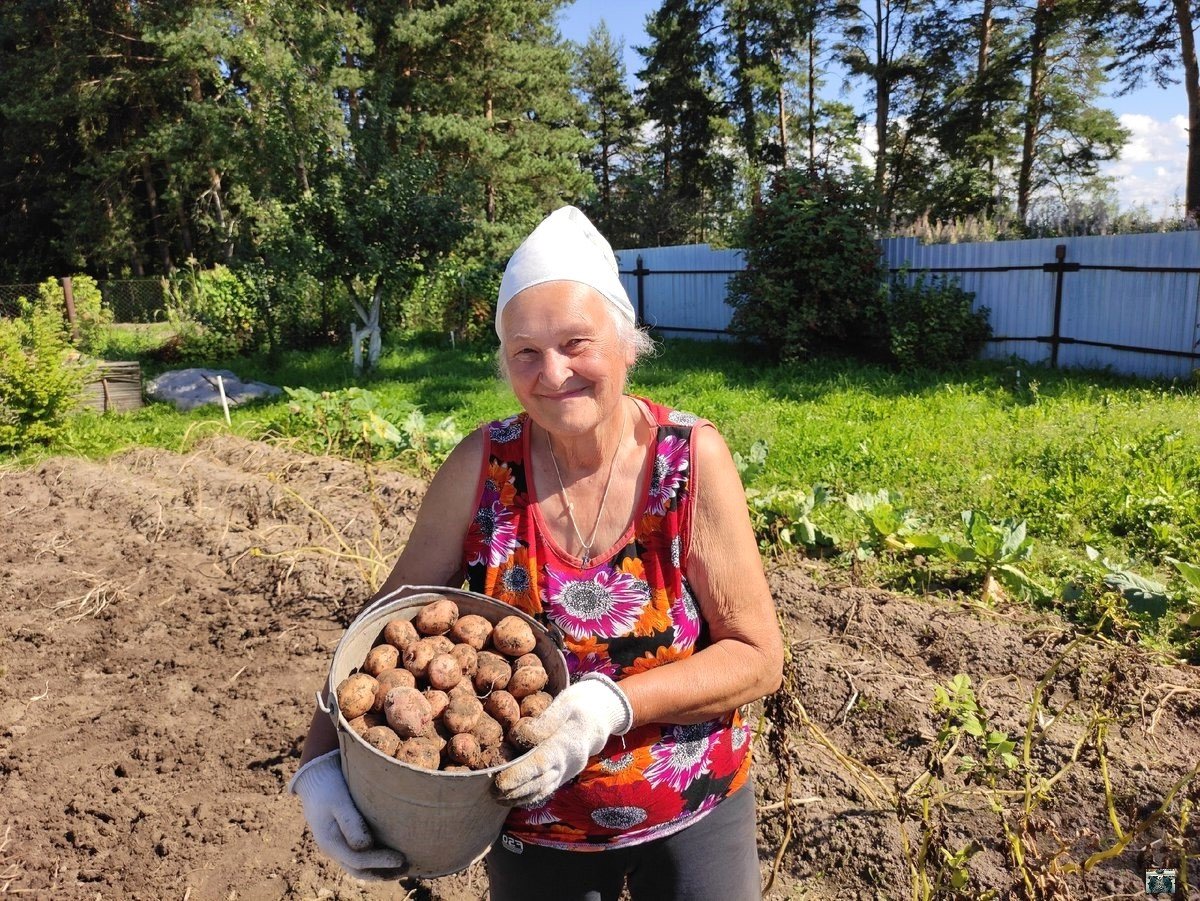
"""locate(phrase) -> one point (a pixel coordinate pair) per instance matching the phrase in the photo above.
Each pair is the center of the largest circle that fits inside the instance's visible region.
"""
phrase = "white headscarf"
(564, 247)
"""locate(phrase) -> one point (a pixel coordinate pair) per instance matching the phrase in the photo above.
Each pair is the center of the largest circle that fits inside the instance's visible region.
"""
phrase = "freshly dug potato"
(436, 618)
(513, 637)
(529, 659)
(493, 672)
(441, 643)
(522, 734)
(419, 752)
(400, 633)
(389, 679)
(444, 672)
(436, 735)
(462, 688)
(467, 657)
(462, 713)
(464, 748)
(473, 630)
(361, 724)
(437, 701)
(526, 680)
(502, 753)
(487, 731)
(535, 704)
(382, 738)
(356, 694)
(456, 768)
(381, 657)
(503, 707)
(407, 711)
(417, 657)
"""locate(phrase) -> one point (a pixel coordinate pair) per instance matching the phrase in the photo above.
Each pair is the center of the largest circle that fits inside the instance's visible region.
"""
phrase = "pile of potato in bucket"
(448, 692)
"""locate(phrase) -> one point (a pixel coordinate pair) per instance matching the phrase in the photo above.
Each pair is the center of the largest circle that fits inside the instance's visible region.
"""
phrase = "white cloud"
(1150, 172)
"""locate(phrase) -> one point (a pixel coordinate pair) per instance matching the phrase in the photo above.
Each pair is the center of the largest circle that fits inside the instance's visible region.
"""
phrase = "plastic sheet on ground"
(190, 388)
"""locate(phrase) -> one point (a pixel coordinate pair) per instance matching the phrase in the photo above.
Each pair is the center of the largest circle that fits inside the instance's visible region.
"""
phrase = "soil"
(166, 619)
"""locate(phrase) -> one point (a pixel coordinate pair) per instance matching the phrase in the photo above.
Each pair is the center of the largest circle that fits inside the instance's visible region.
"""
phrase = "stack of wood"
(114, 386)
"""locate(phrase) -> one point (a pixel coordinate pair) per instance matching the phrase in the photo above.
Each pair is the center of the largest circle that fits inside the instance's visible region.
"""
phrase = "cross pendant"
(586, 558)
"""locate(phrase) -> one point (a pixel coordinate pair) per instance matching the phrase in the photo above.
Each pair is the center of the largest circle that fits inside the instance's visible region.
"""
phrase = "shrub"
(931, 322)
(458, 296)
(813, 275)
(92, 318)
(219, 312)
(40, 377)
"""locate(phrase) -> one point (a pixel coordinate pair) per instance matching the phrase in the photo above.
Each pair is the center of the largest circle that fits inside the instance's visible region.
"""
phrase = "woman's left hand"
(575, 726)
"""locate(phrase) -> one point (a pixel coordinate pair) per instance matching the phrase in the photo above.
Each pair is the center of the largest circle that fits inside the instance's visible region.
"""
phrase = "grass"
(1084, 457)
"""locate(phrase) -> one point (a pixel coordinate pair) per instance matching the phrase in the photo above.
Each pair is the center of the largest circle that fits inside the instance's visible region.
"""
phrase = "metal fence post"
(69, 302)
(1059, 267)
(641, 272)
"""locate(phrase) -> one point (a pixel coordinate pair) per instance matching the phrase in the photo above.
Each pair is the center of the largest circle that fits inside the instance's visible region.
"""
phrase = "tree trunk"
(986, 24)
(160, 238)
(490, 188)
(1191, 78)
(812, 103)
(1033, 107)
(883, 100)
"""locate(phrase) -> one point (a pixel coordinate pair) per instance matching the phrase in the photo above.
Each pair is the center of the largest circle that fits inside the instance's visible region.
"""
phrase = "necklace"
(586, 556)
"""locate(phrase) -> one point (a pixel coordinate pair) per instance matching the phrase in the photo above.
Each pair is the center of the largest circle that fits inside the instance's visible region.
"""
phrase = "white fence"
(1130, 302)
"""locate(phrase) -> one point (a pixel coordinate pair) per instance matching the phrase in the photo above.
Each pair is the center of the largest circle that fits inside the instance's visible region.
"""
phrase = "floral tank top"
(629, 611)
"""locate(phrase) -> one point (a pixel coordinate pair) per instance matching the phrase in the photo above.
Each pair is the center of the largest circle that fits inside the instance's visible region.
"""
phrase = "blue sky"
(1150, 172)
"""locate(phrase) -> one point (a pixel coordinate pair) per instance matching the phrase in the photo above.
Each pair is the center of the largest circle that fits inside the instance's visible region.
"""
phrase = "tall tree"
(610, 120)
(1156, 40)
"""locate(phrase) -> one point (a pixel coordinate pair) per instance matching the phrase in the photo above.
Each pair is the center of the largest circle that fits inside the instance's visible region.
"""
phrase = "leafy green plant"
(218, 310)
(813, 276)
(40, 377)
(965, 720)
(1143, 595)
(1190, 573)
(92, 318)
(784, 519)
(750, 465)
(930, 322)
(890, 524)
(997, 548)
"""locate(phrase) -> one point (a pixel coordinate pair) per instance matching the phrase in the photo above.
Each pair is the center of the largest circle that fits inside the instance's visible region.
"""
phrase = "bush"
(40, 377)
(458, 296)
(813, 274)
(931, 323)
(92, 318)
(218, 312)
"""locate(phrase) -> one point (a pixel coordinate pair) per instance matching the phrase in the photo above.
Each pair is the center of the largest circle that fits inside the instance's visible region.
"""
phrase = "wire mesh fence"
(131, 300)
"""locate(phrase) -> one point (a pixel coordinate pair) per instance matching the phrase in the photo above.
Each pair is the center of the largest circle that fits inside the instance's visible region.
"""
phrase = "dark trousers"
(715, 859)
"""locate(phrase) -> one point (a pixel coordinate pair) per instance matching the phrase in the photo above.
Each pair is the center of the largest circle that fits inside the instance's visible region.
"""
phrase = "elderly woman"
(623, 523)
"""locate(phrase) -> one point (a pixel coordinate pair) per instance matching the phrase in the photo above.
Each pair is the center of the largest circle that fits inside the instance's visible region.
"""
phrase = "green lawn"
(1085, 458)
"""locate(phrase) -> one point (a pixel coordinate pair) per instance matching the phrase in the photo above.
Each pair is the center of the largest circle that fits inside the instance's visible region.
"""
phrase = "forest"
(367, 143)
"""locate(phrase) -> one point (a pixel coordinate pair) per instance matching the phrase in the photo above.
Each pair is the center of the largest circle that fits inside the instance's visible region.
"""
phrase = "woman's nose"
(555, 369)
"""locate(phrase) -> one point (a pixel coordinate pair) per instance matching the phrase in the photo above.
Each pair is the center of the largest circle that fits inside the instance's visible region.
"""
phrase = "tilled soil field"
(166, 619)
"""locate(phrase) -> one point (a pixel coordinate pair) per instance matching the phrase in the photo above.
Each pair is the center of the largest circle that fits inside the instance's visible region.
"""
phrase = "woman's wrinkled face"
(565, 360)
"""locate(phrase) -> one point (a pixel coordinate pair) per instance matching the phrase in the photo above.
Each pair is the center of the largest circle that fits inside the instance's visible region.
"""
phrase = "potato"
(407, 711)
(436, 734)
(513, 637)
(503, 707)
(523, 735)
(467, 657)
(383, 739)
(389, 679)
(493, 672)
(419, 752)
(436, 618)
(361, 724)
(417, 657)
(437, 701)
(444, 672)
(487, 731)
(381, 657)
(456, 768)
(441, 643)
(472, 630)
(462, 688)
(535, 704)
(463, 748)
(400, 633)
(502, 753)
(526, 680)
(462, 713)
(529, 659)
(356, 694)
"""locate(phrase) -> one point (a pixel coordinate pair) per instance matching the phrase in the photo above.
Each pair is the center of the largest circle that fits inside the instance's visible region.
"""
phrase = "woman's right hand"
(337, 827)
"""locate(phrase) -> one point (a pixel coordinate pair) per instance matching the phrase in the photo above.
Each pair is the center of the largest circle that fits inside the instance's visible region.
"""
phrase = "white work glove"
(575, 726)
(337, 827)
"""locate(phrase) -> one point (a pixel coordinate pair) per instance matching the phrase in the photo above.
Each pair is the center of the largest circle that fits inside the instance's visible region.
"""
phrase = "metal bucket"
(442, 822)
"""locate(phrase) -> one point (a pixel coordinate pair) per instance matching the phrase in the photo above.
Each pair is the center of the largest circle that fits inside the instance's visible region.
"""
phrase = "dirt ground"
(166, 619)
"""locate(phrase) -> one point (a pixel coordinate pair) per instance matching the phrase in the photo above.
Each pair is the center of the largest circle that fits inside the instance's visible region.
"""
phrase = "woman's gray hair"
(632, 336)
